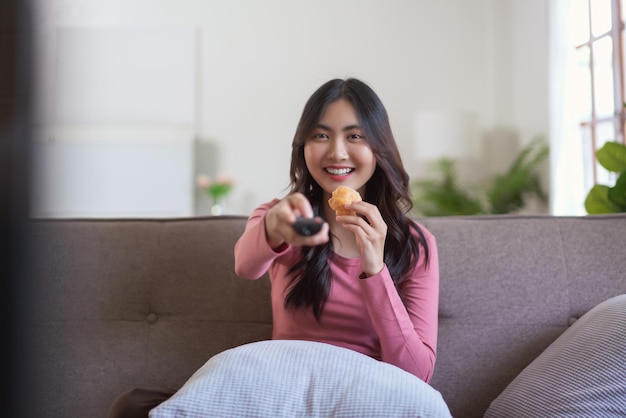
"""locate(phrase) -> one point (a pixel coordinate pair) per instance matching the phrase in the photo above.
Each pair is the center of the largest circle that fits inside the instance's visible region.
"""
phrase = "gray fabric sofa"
(145, 302)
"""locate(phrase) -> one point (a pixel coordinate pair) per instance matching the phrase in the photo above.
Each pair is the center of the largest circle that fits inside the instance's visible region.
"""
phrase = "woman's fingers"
(280, 219)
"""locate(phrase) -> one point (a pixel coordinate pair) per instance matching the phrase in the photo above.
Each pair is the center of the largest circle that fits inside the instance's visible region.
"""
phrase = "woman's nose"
(338, 149)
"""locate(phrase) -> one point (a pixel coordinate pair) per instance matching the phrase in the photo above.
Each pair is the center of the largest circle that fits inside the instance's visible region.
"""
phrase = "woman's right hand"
(279, 221)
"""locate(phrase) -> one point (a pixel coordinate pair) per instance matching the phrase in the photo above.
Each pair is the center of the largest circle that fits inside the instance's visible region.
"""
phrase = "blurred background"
(136, 98)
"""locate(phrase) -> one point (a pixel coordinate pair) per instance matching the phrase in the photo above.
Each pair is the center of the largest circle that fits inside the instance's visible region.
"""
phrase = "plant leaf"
(508, 191)
(443, 196)
(598, 201)
(617, 193)
(612, 156)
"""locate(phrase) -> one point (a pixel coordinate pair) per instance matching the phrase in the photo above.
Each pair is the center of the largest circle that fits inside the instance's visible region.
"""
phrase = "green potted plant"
(217, 190)
(508, 192)
(602, 198)
(444, 195)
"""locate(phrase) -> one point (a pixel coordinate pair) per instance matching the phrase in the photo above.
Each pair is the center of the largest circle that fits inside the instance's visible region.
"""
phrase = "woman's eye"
(320, 136)
(355, 137)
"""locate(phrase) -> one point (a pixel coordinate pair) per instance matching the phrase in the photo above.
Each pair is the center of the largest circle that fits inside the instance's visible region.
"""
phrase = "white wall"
(258, 61)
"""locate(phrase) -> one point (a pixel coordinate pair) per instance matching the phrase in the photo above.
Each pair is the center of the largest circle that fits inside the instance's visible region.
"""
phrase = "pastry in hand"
(342, 196)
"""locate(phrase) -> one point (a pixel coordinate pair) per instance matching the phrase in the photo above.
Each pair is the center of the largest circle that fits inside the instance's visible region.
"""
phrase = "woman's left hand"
(370, 231)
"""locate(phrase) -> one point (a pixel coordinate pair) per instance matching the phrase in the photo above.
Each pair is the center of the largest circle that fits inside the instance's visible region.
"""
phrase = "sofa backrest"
(509, 286)
(125, 303)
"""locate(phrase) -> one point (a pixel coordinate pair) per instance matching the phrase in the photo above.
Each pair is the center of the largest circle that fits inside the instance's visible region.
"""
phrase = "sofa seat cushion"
(581, 374)
(279, 378)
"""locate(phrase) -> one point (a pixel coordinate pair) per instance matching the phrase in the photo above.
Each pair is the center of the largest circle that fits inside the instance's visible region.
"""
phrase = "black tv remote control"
(307, 226)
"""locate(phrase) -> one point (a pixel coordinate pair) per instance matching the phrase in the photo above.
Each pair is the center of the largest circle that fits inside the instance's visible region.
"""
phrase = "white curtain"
(567, 180)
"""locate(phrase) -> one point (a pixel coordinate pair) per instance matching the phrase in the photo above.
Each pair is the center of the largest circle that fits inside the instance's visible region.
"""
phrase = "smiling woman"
(368, 280)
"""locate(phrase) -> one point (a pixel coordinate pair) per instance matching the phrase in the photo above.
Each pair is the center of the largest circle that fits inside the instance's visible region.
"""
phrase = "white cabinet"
(113, 171)
(120, 136)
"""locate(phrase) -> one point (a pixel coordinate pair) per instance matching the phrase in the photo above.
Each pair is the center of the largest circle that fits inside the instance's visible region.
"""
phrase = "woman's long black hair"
(387, 189)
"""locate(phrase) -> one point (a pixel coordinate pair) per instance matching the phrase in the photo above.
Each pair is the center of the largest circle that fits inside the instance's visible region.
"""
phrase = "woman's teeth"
(338, 171)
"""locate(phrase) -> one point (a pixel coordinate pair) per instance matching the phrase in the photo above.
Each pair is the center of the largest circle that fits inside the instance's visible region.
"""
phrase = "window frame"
(616, 33)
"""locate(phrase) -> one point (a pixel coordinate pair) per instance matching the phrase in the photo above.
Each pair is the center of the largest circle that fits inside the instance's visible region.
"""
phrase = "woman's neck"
(344, 242)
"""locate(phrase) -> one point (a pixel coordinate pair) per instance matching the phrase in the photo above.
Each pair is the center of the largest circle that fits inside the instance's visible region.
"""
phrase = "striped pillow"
(581, 374)
(280, 378)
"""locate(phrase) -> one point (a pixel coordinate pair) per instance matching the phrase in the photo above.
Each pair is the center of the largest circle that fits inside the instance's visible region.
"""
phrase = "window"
(598, 31)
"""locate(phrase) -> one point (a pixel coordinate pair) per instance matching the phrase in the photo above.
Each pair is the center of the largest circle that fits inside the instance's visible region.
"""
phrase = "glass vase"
(218, 207)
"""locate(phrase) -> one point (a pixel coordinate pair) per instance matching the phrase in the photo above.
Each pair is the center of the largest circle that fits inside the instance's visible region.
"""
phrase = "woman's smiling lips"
(339, 173)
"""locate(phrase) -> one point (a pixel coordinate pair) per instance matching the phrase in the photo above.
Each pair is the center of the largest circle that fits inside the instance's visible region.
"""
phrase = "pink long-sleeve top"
(365, 315)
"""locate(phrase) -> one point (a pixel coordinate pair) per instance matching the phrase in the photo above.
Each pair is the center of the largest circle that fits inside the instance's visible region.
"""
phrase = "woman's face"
(337, 152)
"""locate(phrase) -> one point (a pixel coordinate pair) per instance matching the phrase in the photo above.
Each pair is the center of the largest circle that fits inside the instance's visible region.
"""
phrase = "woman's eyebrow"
(322, 126)
(351, 127)
(347, 128)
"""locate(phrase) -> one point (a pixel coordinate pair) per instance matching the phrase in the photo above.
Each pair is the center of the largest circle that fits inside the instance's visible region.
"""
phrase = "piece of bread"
(342, 196)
